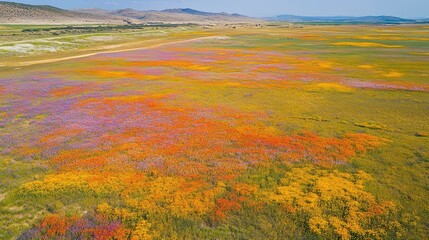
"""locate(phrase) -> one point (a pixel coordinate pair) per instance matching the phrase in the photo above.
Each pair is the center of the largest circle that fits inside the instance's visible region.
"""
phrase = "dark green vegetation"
(103, 29)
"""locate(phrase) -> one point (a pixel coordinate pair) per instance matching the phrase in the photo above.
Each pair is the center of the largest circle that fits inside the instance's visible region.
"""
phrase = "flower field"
(318, 132)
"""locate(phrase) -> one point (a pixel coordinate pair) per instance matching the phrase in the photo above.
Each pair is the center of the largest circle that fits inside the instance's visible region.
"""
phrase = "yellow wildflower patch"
(366, 44)
(318, 192)
(393, 74)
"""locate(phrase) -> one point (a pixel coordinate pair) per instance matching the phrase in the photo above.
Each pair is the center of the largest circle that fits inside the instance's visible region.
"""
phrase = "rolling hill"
(184, 15)
(17, 13)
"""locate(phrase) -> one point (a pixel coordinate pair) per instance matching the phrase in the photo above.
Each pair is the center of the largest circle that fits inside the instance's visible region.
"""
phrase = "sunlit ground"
(272, 133)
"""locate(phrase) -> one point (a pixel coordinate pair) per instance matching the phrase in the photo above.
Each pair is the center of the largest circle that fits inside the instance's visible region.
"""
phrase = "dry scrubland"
(16, 13)
(318, 132)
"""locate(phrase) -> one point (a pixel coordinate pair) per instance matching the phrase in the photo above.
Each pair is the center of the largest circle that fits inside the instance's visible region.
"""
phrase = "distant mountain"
(188, 11)
(343, 19)
(423, 20)
(184, 15)
(18, 13)
(200, 13)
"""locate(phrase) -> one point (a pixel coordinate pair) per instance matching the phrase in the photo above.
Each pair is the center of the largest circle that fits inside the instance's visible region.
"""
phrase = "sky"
(261, 8)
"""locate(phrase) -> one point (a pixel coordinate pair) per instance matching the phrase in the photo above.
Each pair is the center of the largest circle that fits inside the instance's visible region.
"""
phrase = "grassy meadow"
(279, 132)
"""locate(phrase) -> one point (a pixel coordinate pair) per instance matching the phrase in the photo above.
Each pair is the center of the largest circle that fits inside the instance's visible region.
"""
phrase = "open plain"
(278, 131)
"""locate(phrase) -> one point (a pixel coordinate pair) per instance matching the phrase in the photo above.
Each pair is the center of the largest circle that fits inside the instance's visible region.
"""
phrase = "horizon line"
(261, 17)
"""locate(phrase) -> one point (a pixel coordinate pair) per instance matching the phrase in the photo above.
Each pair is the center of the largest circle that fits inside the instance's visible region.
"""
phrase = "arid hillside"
(16, 13)
(184, 15)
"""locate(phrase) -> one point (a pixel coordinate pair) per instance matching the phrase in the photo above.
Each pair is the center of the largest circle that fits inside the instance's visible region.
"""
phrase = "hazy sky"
(262, 8)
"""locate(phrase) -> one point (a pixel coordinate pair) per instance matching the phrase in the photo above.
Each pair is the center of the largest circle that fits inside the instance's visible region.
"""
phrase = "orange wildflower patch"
(56, 226)
(185, 142)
